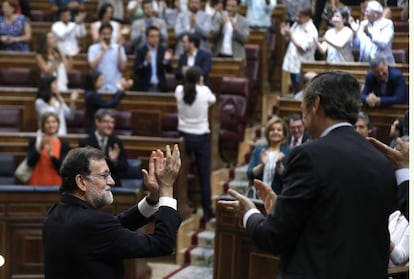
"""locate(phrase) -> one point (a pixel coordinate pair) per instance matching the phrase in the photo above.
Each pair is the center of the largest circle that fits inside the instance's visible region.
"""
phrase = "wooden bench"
(220, 67)
(357, 69)
(381, 118)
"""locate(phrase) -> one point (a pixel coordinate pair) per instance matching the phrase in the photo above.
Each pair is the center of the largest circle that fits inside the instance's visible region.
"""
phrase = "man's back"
(330, 220)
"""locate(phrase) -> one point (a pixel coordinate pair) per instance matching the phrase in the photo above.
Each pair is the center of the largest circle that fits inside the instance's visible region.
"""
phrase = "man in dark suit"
(80, 241)
(384, 85)
(331, 218)
(152, 61)
(193, 56)
(112, 146)
(297, 133)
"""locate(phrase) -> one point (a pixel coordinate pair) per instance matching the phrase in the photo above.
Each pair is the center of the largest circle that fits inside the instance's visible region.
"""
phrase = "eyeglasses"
(103, 176)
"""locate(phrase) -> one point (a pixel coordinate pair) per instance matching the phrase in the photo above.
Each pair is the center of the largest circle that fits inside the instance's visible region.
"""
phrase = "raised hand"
(241, 205)
(398, 156)
(166, 169)
(266, 194)
(150, 180)
(113, 152)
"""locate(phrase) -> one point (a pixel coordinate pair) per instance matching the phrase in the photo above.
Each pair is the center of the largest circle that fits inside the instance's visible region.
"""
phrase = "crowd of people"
(305, 172)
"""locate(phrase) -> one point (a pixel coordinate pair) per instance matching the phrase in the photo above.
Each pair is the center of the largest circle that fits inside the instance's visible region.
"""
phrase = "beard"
(101, 200)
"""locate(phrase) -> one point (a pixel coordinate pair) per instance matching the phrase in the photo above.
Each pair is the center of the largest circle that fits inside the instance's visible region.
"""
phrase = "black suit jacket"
(202, 60)
(403, 198)
(82, 242)
(142, 69)
(117, 168)
(305, 138)
(331, 218)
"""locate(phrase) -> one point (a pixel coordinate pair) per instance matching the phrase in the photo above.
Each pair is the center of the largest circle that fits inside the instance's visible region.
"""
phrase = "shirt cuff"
(146, 209)
(402, 175)
(249, 213)
(167, 201)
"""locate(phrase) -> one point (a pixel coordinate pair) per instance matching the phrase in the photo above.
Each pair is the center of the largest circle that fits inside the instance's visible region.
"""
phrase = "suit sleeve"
(403, 198)
(121, 165)
(399, 91)
(368, 87)
(178, 73)
(32, 155)
(140, 64)
(95, 100)
(205, 65)
(278, 231)
(242, 31)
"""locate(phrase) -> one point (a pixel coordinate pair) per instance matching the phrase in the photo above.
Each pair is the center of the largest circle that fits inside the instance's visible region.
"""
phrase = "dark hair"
(77, 162)
(305, 10)
(42, 45)
(90, 80)
(339, 94)
(191, 78)
(193, 38)
(102, 10)
(150, 28)
(294, 117)
(105, 25)
(63, 10)
(365, 117)
(146, 2)
(44, 90)
(102, 112)
(12, 4)
(45, 116)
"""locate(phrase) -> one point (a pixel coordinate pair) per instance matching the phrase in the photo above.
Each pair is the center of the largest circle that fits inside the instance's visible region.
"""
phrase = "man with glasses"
(297, 133)
(81, 241)
(112, 146)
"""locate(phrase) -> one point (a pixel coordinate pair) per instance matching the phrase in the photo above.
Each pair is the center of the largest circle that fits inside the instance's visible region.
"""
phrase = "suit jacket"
(138, 38)
(395, 92)
(331, 218)
(117, 168)
(82, 242)
(305, 138)
(202, 60)
(403, 196)
(142, 69)
(240, 36)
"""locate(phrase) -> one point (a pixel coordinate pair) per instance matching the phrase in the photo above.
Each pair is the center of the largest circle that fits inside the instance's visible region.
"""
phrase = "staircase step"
(206, 239)
(202, 256)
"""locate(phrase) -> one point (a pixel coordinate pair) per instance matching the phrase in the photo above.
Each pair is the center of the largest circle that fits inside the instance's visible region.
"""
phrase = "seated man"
(363, 124)
(384, 85)
(152, 61)
(104, 139)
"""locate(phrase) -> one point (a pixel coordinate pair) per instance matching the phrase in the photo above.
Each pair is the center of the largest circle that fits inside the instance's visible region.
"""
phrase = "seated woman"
(49, 99)
(15, 30)
(51, 61)
(337, 41)
(94, 101)
(46, 152)
(105, 16)
(267, 161)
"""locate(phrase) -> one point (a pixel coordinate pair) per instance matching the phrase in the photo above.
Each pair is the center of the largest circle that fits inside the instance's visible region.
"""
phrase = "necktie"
(294, 142)
(102, 144)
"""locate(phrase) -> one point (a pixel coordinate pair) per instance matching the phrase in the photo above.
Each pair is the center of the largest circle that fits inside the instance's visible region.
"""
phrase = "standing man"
(384, 85)
(109, 59)
(232, 32)
(193, 56)
(338, 192)
(194, 21)
(152, 61)
(297, 133)
(81, 241)
(139, 27)
(112, 146)
(68, 32)
(374, 35)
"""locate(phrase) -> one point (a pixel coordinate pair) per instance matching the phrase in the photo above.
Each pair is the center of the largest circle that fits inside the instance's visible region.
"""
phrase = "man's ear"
(81, 182)
(316, 102)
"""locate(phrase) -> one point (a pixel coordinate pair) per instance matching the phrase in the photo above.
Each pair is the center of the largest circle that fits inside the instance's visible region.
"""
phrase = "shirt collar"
(334, 126)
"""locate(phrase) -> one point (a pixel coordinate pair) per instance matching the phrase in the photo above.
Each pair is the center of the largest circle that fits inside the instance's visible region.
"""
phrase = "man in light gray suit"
(232, 32)
(194, 21)
(138, 38)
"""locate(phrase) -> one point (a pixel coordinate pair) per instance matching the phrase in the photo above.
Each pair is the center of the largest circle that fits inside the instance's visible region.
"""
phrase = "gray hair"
(102, 112)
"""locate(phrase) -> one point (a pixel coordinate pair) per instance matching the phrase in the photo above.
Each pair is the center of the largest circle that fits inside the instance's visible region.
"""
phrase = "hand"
(168, 54)
(263, 156)
(371, 99)
(148, 57)
(354, 24)
(399, 156)
(166, 169)
(80, 17)
(192, 19)
(124, 84)
(113, 152)
(241, 205)
(104, 46)
(74, 95)
(279, 163)
(184, 70)
(266, 194)
(150, 180)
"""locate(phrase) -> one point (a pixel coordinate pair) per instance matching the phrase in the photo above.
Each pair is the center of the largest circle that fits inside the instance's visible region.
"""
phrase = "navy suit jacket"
(117, 169)
(331, 218)
(202, 60)
(142, 69)
(305, 138)
(82, 242)
(396, 89)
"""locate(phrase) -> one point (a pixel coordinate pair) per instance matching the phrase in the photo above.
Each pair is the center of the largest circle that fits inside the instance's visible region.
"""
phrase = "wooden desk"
(22, 211)
(234, 255)
(381, 118)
